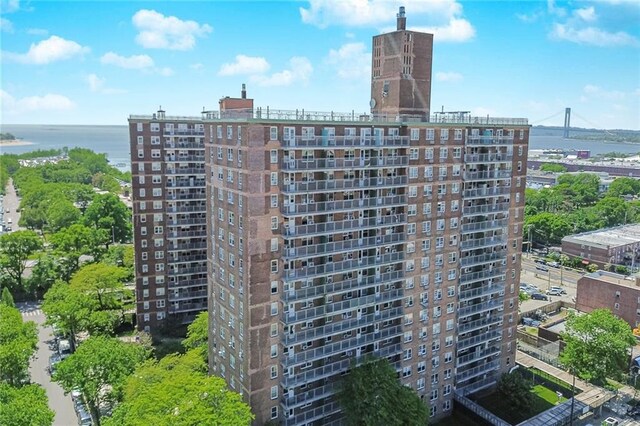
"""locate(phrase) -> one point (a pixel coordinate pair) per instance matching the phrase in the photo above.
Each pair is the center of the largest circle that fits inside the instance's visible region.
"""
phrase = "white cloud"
(9, 6)
(456, 30)
(449, 77)
(165, 72)
(197, 66)
(50, 50)
(98, 85)
(245, 65)
(300, 70)
(351, 60)
(592, 36)
(587, 14)
(136, 62)
(593, 91)
(6, 26)
(529, 18)
(554, 10)
(158, 31)
(37, 31)
(48, 102)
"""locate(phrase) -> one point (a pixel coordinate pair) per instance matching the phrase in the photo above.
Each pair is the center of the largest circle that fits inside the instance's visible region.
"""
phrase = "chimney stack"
(402, 20)
(243, 94)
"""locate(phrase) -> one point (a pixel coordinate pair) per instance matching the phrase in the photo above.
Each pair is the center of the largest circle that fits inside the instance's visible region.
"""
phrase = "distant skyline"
(96, 62)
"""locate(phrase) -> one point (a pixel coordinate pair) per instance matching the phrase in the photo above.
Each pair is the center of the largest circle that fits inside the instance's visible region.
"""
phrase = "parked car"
(53, 360)
(558, 288)
(554, 292)
(539, 296)
(542, 268)
(541, 261)
(64, 348)
(554, 264)
(610, 421)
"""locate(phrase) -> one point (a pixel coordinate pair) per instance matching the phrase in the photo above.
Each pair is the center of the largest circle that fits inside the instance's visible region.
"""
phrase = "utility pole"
(573, 395)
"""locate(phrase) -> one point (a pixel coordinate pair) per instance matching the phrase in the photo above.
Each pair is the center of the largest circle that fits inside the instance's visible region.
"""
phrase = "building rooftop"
(607, 238)
(614, 278)
(262, 114)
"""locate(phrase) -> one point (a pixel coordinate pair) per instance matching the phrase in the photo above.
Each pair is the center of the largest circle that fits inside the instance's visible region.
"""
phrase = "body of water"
(114, 140)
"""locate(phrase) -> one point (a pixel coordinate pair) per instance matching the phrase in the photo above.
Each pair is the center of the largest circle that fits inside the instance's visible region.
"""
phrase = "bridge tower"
(567, 122)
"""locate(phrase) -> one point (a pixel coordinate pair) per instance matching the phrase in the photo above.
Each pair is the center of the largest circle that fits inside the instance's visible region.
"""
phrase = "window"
(273, 154)
(413, 154)
(415, 134)
(229, 132)
(274, 351)
(274, 371)
(444, 134)
(413, 173)
(457, 134)
(274, 222)
(155, 127)
(274, 201)
(457, 152)
(428, 154)
(444, 152)
(274, 266)
(274, 412)
(430, 134)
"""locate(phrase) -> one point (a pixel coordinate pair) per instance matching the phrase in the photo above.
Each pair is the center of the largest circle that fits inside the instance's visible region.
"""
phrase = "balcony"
(309, 396)
(197, 183)
(344, 184)
(187, 208)
(489, 140)
(342, 266)
(485, 209)
(181, 222)
(183, 132)
(468, 278)
(187, 307)
(187, 234)
(344, 163)
(301, 315)
(485, 225)
(484, 290)
(345, 141)
(187, 246)
(467, 327)
(345, 225)
(468, 342)
(340, 327)
(188, 271)
(185, 295)
(307, 417)
(190, 196)
(477, 371)
(185, 171)
(486, 192)
(472, 243)
(342, 286)
(191, 258)
(184, 145)
(483, 258)
(488, 158)
(342, 346)
(487, 175)
(463, 360)
(479, 308)
(184, 158)
(335, 206)
(324, 249)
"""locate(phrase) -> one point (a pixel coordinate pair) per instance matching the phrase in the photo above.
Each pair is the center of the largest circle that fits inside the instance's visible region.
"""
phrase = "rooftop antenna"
(243, 93)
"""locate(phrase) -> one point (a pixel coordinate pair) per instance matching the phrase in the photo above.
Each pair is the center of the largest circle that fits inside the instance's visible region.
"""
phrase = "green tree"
(592, 267)
(18, 340)
(102, 282)
(198, 334)
(68, 310)
(44, 273)
(516, 390)
(61, 213)
(624, 186)
(548, 228)
(553, 167)
(99, 369)
(15, 249)
(523, 296)
(381, 398)
(613, 210)
(178, 391)
(108, 213)
(597, 345)
(24, 406)
(69, 244)
(579, 189)
(6, 298)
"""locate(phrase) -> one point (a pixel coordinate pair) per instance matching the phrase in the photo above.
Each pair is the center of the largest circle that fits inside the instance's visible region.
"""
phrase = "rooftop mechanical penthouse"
(320, 238)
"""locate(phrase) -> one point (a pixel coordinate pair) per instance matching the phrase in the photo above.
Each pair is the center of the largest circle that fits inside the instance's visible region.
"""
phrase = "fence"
(479, 410)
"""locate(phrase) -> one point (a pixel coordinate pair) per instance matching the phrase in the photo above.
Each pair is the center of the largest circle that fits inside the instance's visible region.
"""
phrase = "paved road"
(11, 202)
(543, 281)
(58, 401)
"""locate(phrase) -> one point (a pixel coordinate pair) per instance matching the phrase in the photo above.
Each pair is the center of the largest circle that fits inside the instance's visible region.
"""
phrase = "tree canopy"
(197, 334)
(597, 345)
(515, 389)
(553, 167)
(176, 391)
(24, 406)
(18, 342)
(15, 249)
(108, 213)
(99, 369)
(381, 399)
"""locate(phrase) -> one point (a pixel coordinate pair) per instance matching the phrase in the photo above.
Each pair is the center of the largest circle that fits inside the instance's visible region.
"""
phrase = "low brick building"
(618, 245)
(616, 292)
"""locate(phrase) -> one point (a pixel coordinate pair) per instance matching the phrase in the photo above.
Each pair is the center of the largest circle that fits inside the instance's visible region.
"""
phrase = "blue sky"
(96, 62)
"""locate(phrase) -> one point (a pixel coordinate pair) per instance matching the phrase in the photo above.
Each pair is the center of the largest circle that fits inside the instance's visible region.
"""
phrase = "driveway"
(58, 401)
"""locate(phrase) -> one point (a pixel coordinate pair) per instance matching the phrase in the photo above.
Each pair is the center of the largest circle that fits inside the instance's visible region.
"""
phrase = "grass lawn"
(542, 399)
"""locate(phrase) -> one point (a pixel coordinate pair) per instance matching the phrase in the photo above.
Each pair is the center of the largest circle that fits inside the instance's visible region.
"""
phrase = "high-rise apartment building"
(332, 237)
(169, 211)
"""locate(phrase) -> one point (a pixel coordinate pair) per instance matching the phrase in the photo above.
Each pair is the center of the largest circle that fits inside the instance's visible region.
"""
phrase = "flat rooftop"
(608, 238)
(614, 278)
(262, 114)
